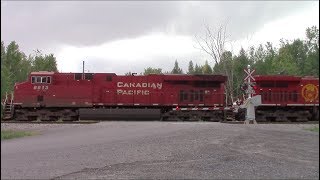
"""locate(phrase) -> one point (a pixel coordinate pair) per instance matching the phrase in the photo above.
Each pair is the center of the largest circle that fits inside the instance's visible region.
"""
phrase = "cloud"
(132, 54)
(81, 23)
(130, 36)
(41, 24)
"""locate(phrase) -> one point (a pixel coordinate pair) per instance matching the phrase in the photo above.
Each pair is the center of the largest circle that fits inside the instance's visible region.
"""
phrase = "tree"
(299, 52)
(312, 61)
(240, 62)
(151, 70)
(4, 72)
(176, 69)
(190, 68)
(313, 38)
(198, 69)
(213, 43)
(284, 63)
(15, 63)
(259, 61)
(42, 62)
(265, 59)
(206, 69)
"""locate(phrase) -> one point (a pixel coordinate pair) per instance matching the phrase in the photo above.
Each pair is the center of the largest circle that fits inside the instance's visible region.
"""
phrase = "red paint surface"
(65, 91)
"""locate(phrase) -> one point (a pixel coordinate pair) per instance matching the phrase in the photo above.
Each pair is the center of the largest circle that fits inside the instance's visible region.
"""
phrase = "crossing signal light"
(254, 87)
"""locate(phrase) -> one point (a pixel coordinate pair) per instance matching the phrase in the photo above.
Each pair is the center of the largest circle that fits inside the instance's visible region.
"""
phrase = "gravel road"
(166, 150)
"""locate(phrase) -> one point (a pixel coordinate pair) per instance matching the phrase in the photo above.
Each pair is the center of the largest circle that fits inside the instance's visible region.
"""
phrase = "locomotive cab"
(32, 92)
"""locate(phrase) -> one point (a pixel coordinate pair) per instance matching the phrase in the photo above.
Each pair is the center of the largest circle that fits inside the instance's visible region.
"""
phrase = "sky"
(130, 36)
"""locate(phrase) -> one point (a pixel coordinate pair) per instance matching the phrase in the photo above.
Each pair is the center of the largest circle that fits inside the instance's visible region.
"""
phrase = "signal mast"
(250, 102)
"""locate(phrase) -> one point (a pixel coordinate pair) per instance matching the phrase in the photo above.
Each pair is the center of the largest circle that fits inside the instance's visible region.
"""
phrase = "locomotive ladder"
(8, 107)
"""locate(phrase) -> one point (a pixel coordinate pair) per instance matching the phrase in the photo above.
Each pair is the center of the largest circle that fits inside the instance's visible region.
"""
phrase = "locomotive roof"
(310, 78)
(218, 77)
(42, 73)
(276, 78)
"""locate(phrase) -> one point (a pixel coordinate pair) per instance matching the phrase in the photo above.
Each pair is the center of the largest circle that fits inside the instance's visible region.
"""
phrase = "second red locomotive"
(287, 98)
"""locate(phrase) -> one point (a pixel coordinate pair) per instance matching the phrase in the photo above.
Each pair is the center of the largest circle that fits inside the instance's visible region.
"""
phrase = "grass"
(314, 129)
(10, 134)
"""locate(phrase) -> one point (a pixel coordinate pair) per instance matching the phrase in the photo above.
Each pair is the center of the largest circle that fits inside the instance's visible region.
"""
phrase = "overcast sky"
(130, 36)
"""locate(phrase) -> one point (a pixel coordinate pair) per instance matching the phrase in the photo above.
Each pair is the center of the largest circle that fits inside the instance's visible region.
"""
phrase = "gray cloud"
(241, 17)
(36, 24)
(46, 25)
(81, 22)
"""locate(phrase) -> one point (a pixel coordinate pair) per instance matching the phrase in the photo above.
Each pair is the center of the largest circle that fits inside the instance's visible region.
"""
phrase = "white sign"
(249, 74)
(256, 100)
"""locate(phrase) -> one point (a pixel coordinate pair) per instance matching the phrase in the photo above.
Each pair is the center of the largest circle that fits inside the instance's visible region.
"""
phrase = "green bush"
(9, 134)
(314, 129)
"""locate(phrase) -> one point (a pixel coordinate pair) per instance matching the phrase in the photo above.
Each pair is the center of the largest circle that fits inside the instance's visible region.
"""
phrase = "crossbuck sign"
(249, 74)
(248, 79)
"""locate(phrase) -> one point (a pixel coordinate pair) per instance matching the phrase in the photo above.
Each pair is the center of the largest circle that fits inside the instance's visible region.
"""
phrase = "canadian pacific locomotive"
(287, 98)
(51, 96)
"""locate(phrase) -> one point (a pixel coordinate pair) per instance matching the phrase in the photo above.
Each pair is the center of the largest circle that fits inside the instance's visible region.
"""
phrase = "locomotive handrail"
(5, 100)
(11, 97)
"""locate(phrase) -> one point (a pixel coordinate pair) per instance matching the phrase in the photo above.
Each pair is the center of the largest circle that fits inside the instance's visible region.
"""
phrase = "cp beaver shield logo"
(310, 92)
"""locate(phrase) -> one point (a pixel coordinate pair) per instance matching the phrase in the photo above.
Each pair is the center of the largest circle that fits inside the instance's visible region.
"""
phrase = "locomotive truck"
(53, 96)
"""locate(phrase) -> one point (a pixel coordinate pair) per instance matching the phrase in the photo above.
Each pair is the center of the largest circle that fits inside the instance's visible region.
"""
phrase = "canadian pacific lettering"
(123, 88)
(132, 92)
(143, 85)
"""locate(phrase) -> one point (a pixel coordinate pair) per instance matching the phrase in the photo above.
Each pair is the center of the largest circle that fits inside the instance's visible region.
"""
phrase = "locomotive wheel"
(315, 114)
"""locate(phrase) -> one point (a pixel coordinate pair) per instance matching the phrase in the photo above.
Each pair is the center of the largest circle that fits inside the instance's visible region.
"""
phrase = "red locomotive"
(50, 96)
(287, 98)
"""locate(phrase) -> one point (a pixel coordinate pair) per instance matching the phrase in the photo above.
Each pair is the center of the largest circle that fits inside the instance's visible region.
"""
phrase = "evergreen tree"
(151, 70)
(206, 69)
(176, 69)
(198, 69)
(190, 68)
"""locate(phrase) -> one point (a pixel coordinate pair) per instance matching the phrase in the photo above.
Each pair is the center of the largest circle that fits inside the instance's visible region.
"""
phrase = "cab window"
(41, 79)
(48, 79)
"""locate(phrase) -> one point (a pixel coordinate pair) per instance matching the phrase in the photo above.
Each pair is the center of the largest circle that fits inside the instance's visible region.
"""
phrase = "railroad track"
(52, 122)
(96, 121)
(242, 122)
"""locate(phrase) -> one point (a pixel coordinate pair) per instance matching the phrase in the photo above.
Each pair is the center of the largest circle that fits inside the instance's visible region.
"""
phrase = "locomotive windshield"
(41, 79)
